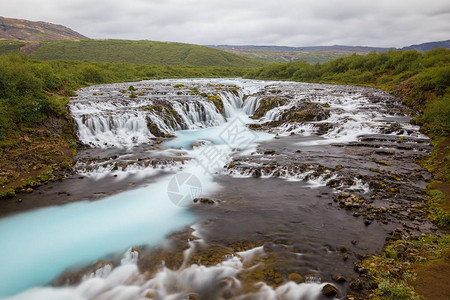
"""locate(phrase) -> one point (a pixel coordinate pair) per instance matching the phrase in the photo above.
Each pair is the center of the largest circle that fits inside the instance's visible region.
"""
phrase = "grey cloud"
(281, 22)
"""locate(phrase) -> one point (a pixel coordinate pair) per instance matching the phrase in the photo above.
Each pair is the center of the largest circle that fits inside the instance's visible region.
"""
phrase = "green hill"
(139, 52)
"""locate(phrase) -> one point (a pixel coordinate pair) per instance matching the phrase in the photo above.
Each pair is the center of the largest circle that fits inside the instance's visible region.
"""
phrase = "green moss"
(218, 103)
(10, 193)
(267, 104)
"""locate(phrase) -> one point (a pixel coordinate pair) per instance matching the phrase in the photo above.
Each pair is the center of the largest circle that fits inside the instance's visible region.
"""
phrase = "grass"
(272, 56)
(10, 47)
(139, 52)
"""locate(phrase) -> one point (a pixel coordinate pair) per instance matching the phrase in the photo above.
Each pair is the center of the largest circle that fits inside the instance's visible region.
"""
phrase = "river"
(217, 188)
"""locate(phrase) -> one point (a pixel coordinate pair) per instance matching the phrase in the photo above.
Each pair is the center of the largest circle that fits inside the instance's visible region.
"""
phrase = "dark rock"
(339, 278)
(356, 285)
(204, 201)
(329, 291)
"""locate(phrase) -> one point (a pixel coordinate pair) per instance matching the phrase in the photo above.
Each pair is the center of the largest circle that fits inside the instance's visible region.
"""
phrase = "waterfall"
(103, 124)
(111, 130)
(250, 105)
(231, 102)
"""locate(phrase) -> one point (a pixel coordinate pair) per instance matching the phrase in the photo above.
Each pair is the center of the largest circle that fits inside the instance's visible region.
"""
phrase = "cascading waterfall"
(109, 130)
(250, 105)
(99, 127)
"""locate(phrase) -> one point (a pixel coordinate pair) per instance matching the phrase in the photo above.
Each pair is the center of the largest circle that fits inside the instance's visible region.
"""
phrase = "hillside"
(139, 52)
(428, 46)
(24, 30)
(315, 54)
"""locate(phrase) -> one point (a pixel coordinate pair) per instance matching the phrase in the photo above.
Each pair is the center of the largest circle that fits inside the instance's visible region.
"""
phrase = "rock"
(329, 291)
(256, 173)
(297, 278)
(29, 190)
(204, 201)
(400, 248)
(343, 249)
(150, 295)
(356, 285)
(339, 278)
(367, 222)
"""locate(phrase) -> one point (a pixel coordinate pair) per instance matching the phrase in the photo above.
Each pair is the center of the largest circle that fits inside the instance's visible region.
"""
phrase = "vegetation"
(272, 56)
(139, 52)
(10, 47)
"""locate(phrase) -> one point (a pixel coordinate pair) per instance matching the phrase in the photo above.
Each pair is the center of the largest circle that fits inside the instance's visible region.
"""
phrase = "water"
(39, 245)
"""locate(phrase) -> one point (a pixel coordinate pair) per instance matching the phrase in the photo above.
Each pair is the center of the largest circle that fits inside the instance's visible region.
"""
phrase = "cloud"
(281, 22)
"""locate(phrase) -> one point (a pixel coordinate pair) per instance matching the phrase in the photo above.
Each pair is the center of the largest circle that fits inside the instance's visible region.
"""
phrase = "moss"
(393, 270)
(267, 104)
(382, 162)
(10, 193)
(217, 101)
(179, 86)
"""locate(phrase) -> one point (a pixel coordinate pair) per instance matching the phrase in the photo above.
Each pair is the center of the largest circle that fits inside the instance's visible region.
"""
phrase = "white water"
(125, 282)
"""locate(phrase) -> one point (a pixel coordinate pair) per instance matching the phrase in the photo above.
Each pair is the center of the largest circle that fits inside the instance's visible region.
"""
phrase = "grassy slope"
(36, 132)
(140, 52)
(10, 47)
(311, 57)
(422, 80)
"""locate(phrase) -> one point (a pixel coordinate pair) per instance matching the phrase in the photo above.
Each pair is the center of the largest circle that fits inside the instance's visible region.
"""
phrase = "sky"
(383, 23)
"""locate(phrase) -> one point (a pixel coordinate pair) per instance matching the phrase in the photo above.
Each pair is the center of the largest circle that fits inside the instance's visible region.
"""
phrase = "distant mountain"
(354, 49)
(24, 30)
(314, 54)
(428, 46)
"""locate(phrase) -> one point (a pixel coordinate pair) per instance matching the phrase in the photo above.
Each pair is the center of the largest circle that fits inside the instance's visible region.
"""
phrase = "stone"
(329, 291)
(400, 248)
(356, 285)
(339, 278)
(297, 278)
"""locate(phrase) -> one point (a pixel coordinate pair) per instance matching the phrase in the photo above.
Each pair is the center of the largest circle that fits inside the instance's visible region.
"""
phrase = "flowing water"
(267, 184)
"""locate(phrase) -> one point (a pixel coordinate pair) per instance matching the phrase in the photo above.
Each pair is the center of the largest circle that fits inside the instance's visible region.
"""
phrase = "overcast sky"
(388, 23)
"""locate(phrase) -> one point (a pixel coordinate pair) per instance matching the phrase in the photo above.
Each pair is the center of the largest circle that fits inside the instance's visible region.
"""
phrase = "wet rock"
(297, 278)
(367, 222)
(257, 173)
(339, 278)
(329, 291)
(204, 201)
(356, 285)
